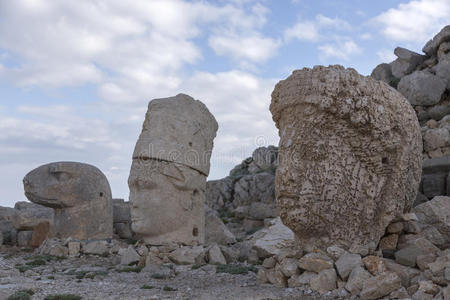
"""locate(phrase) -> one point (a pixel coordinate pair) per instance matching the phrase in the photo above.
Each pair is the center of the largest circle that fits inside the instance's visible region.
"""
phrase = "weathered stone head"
(349, 156)
(80, 195)
(168, 175)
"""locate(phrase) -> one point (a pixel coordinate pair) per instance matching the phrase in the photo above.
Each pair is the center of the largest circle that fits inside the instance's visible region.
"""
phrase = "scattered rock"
(24, 238)
(405, 273)
(74, 248)
(215, 256)
(324, 282)
(95, 247)
(356, 280)
(276, 277)
(188, 255)
(432, 45)
(374, 264)
(436, 213)
(346, 263)
(270, 241)
(315, 262)
(216, 231)
(422, 88)
(380, 285)
(407, 256)
(130, 257)
(290, 266)
(29, 215)
(301, 280)
(40, 233)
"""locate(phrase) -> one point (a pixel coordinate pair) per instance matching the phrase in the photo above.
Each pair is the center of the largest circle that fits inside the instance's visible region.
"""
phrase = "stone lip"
(178, 129)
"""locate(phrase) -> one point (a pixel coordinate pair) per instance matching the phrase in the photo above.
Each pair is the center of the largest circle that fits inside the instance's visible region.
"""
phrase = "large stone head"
(80, 195)
(349, 156)
(168, 175)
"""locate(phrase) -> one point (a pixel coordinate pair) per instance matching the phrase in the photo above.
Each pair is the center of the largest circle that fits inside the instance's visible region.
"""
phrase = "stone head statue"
(168, 174)
(349, 156)
(80, 195)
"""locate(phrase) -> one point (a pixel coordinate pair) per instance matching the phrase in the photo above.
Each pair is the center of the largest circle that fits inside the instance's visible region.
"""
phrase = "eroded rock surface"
(349, 156)
(80, 195)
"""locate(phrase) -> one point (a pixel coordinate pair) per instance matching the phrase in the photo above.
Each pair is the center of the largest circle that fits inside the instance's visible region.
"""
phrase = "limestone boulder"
(422, 88)
(129, 256)
(188, 255)
(171, 161)
(324, 282)
(216, 231)
(9, 232)
(273, 239)
(121, 211)
(29, 215)
(406, 62)
(80, 196)
(349, 156)
(356, 280)
(383, 72)
(258, 188)
(436, 213)
(380, 286)
(432, 46)
(219, 193)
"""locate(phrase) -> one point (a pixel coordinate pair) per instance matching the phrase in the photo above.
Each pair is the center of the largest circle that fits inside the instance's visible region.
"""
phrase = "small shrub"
(63, 297)
(235, 269)
(90, 276)
(130, 269)
(36, 262)
(22, 295)
(169, 289)
(147, 287)
(22, 268)
(51, 277)
(197, 266)
(158, 276)
(132, 241)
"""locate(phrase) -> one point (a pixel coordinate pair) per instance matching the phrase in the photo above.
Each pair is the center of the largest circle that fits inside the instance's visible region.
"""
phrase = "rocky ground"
(96, 277)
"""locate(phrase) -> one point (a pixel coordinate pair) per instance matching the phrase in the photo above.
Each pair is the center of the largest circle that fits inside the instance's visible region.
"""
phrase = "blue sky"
(76, 76)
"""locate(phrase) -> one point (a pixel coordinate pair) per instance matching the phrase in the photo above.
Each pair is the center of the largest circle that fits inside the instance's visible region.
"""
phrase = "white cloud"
(75, 43)
(340, 49)
(253, 48)
(366, 36)
(302, 31)
(130, 53)
(386, 55)
(310, 30)
(415, 21)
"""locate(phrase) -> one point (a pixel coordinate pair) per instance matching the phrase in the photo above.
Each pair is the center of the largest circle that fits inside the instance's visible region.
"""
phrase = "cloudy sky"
(76, 76)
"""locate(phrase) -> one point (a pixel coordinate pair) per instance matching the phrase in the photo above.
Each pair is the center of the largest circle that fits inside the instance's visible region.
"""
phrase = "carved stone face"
(166, 201)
